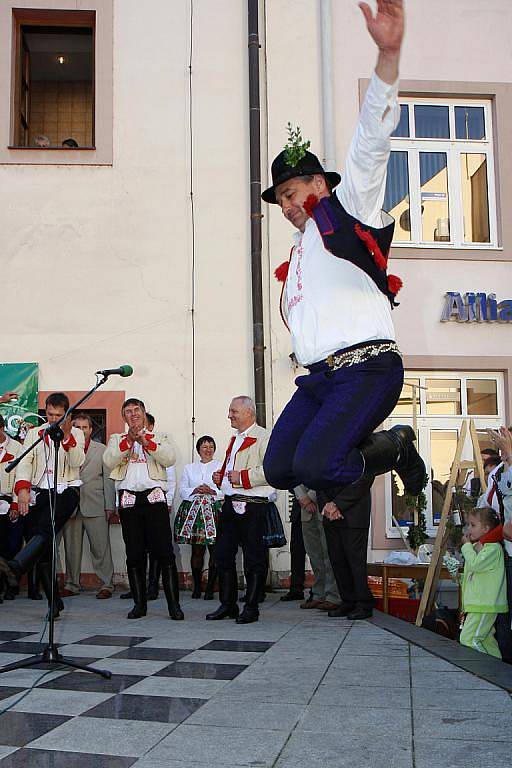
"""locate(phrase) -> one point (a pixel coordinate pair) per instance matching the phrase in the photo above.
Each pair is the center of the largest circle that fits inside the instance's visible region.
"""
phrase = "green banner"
(21, 378)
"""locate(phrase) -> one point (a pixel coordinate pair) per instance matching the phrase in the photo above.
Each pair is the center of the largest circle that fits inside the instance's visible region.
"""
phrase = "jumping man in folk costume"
(337, 300)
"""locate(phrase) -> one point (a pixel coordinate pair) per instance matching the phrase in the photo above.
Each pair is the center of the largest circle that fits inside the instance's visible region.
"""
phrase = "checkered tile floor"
(151, 691)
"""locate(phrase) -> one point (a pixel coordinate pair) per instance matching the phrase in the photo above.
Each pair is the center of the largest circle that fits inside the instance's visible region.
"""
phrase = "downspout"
(329, 142)
(255, 187)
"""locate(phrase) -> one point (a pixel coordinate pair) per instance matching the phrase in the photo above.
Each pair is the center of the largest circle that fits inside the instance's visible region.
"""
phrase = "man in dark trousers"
(346, 533)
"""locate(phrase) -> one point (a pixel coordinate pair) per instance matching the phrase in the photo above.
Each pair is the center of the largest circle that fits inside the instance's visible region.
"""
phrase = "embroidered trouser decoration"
(201, 505)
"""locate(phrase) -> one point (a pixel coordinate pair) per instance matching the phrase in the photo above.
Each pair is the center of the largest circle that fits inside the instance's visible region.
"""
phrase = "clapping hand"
(502, 439)
(387, 26)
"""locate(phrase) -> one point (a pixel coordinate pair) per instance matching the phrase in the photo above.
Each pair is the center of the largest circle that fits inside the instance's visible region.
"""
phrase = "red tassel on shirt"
(281, 273)
(394, 284)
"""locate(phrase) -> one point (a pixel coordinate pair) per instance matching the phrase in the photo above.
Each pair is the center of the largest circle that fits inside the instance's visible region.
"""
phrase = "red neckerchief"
(248, 441)
(87, 444)
(493, 536)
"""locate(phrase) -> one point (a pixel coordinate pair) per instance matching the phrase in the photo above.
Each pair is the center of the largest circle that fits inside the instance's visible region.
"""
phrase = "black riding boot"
(153, 578)
(137, 579)
(197, 575)
(170, 584)
(25, 559)
(228, 593)
(250, 613)
(33, 592)
(210, 584)
(394, 449)
(44, 573)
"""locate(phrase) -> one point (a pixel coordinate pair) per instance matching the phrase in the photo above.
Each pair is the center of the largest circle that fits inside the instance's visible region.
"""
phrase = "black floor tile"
(87, 660)
(254, 646)
(6, 634)
(161, 709)
(153, 654)
(48, 758)
(19, 728)
(18, 646)
(85, 681)
(112, 640)
(203, 671)
(5, 692)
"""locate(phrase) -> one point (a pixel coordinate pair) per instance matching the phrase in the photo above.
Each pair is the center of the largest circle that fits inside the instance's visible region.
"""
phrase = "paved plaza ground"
(295, 690)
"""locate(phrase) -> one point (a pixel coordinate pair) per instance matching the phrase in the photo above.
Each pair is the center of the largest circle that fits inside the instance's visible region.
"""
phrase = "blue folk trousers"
(315, 439)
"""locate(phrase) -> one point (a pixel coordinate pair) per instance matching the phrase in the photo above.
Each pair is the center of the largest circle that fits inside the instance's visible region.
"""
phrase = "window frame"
(454, 149)
(443, 422)
(103, 151)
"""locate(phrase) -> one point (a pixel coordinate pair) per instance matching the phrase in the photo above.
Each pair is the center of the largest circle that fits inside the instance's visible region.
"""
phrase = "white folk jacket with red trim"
(160, 454)
(31, 468)
(249, 461)
(7, 479)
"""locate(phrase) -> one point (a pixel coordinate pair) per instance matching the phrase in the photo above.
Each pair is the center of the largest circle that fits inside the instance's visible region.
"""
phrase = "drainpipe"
(329, 158)
(255, 186)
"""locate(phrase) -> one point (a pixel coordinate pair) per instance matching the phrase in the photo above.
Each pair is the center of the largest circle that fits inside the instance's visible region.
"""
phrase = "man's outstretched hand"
(387, 30)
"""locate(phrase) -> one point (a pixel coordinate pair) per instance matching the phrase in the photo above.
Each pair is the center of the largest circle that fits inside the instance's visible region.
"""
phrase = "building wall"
(98, 259)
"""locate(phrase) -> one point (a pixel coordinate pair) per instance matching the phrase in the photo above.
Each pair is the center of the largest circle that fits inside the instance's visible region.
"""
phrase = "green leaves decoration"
(295, 148)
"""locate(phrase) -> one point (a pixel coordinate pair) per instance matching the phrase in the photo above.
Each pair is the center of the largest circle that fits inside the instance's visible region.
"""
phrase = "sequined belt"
(359, 353)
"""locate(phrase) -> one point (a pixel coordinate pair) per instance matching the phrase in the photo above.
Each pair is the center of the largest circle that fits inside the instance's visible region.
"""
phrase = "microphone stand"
(50, 653)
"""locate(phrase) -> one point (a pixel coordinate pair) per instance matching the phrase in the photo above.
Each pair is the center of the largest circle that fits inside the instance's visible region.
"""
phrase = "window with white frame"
(440, 184)
(436, 404)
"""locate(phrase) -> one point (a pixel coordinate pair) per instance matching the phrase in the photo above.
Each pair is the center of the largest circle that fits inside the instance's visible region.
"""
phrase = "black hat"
(308, 165)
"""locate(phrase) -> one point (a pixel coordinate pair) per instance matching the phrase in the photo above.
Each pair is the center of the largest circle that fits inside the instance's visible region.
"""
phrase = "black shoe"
(137, 579)
(223, 612)
(255, 587)
(360, 613)
(171, 590)
(10, 593)
(341, 611)
(292, 596)
(248, 615)
(126, 595)
(228, 589)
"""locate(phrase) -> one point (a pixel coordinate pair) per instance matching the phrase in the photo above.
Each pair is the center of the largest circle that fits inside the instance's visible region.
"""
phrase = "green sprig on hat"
(295, 148)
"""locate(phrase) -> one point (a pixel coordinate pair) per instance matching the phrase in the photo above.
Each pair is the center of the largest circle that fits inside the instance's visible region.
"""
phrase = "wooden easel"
(436, 562)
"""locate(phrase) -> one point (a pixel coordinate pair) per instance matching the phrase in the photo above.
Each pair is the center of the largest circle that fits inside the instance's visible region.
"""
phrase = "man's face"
(135, 417)
(240, 416)
(54, 413)
(292, 194)
(84, 425)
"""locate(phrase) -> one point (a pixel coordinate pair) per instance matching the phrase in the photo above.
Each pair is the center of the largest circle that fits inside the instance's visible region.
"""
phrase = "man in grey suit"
(97, 502)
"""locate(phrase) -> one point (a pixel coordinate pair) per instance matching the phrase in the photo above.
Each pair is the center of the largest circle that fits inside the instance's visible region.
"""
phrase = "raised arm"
(362, 188)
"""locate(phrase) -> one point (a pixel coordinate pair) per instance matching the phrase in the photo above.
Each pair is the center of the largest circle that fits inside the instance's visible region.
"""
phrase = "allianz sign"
(476, 308)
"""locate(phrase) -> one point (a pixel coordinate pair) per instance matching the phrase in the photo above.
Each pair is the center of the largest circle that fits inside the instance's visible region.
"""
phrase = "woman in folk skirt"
(196, 519)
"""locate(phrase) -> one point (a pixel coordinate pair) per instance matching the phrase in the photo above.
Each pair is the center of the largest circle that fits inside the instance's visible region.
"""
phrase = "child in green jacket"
(484, 592)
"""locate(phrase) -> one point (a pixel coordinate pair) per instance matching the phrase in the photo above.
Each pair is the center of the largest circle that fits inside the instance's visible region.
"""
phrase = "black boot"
(210, 584)
(33, 592)
(228, 592)
(153, 578)
(197, 575)
(255, 584)
(126, 595)
(44, 573)
(394, 449)
(25, 559)
(137, 579)
(170, 584)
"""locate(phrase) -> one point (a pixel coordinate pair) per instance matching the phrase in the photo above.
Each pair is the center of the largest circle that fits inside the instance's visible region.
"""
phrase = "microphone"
(123, 370)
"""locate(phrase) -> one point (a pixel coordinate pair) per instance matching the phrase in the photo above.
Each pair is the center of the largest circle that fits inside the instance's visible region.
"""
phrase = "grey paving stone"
(430, 753)
(357, 723)
(457, 700)
(362, 696)
(449, 680)
(370, 663)
(465, 725)
(52, 702)
(177, 686)
(266, 716)
(340, 750)
(4, 751)
(126, 738)
(43, 758)
(208, 746)
(382, 677)
(290, 692)
(221, 657)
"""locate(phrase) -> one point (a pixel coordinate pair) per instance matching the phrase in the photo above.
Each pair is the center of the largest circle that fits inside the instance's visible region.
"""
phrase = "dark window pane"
(469, 123)
(482, 397)
(435, 210)
(396, 199)
(431, 122)
(402, 128)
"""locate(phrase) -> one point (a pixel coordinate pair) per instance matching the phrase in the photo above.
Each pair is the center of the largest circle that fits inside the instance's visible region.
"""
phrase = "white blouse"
(199, 474)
